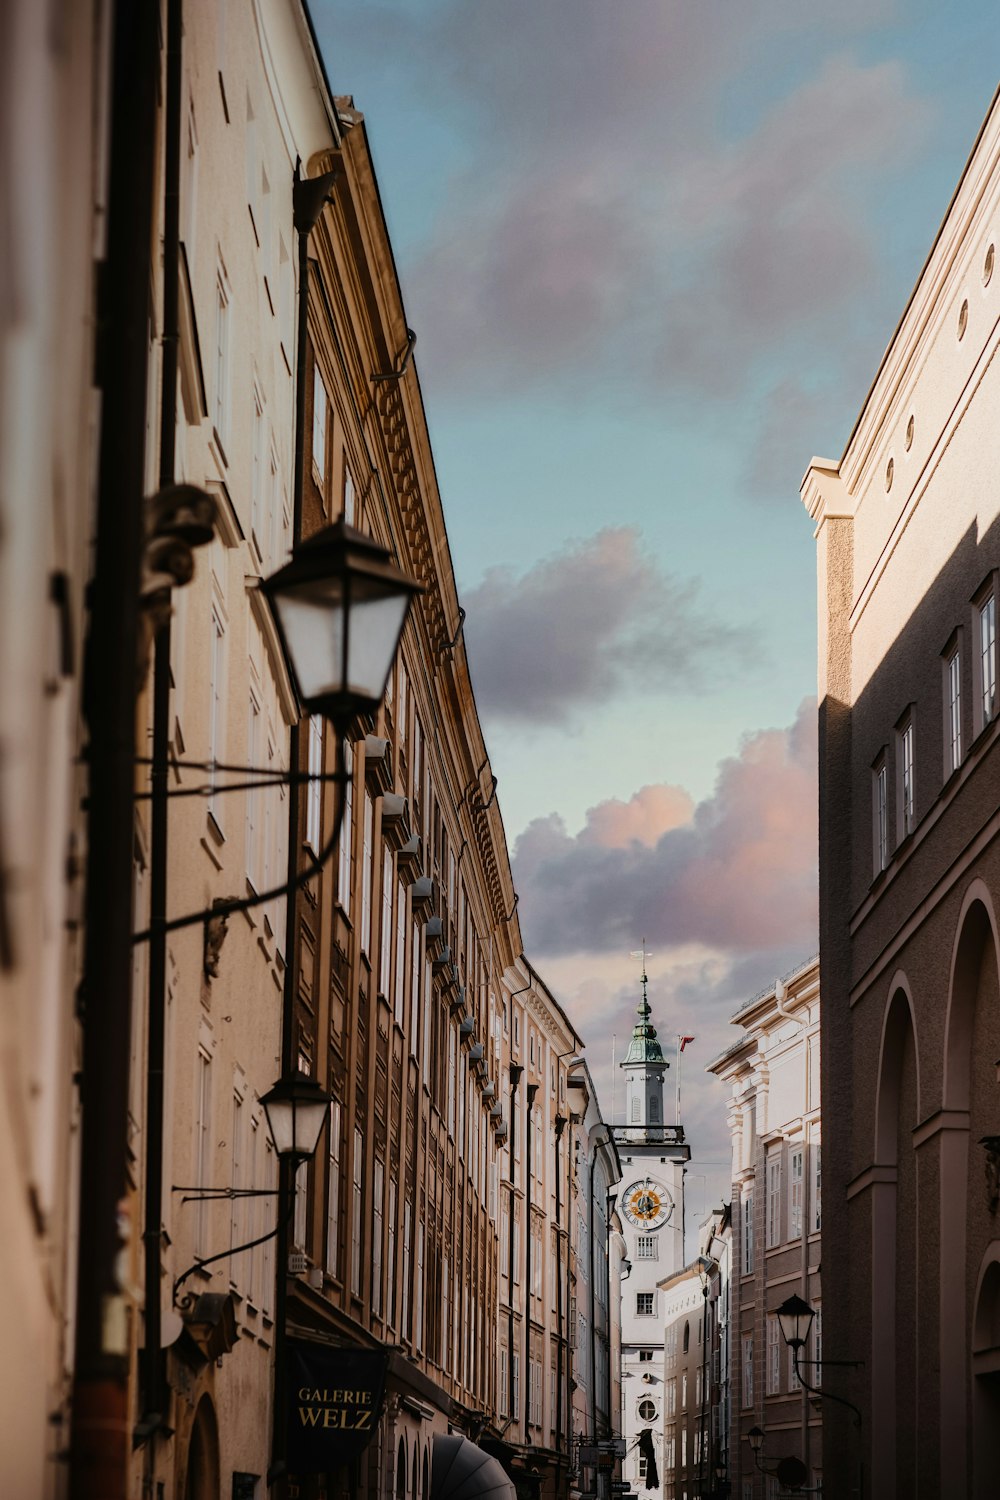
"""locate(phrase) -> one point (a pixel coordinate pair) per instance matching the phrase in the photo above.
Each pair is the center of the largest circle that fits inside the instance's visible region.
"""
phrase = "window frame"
(984, 657)
(880, 814)
(952, 705)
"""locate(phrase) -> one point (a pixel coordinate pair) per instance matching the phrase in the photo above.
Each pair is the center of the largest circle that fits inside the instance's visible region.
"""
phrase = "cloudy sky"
(653, 251)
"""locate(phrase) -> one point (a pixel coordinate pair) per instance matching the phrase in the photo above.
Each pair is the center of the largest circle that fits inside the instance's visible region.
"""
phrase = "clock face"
(647, 1204)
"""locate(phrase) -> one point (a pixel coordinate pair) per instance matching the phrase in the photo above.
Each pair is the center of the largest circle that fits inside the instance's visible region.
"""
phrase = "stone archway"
(986, 1379)
(202, 1477)
(893, 1282)
(975, 942)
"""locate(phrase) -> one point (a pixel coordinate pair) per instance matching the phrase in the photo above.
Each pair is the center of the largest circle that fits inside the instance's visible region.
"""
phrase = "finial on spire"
(643, 1047)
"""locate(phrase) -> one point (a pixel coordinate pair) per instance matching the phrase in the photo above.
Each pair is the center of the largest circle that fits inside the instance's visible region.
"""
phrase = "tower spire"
(644, 1046)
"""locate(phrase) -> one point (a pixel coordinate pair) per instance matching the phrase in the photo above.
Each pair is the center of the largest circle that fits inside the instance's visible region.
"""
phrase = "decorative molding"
(872, 1177)
(942, 1119)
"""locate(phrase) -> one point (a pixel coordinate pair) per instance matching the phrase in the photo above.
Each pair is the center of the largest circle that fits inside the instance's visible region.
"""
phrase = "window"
(953, 711)
(773, 1355)
(216, 706)
(333, 1194)
(748, 1369)
(671, 1398)
(796, 1161)
(378, 1186)
(253, 797)
(906, 818)
(203, 1148)
(257, 476)
(220, 413)
(385, 931)
(366, 875)
(345, 856)
(684, 1390)
(645, 1356)
(356, 1226)
(794, 1383)
(817, 1215)
(748, 1233)
(647, 1410)
(314, 789)
(320, 409)
(646, 1247)
(503, 1379)
(773, 1200)
(391, 1245)
(348, 498)
(880, 815)
(987, 658)
(644, 1302)
(817, 1331)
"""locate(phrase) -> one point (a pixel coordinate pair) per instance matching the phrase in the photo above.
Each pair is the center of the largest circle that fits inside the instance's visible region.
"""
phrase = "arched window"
(687, 1336)
(401, 1471)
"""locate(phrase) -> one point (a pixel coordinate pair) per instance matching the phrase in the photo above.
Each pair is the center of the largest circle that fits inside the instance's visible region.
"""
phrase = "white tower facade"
(651, 1206)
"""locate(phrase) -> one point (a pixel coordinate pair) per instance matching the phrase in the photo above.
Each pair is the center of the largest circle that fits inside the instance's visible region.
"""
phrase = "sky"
(653, 251)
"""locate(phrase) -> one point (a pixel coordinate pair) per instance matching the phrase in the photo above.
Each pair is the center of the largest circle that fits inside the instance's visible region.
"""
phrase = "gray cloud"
(587, 623)
(739, 877)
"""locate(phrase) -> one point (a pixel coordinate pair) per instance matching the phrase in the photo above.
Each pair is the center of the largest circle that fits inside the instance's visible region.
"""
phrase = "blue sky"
(653, 251)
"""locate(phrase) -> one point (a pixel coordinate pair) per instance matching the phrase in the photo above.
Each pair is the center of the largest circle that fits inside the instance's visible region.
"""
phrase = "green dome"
(643, 1048)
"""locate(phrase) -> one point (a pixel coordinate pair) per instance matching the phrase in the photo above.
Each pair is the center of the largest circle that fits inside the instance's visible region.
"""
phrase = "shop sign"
(334, 1403)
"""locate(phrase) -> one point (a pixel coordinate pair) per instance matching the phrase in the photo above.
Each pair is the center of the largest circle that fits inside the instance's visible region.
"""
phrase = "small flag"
(685, 1040)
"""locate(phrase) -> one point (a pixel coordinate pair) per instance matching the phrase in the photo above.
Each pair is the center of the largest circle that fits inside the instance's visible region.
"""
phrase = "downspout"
(560, 1126)
(530, 1092)
(99, 1442)
(309, 196)
(153, 1414)
(515, 1078)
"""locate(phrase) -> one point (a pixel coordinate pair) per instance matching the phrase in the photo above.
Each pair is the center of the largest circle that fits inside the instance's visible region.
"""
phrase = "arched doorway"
(401, 1470)
(973, 1009)
(986, 1380)
(202, 1478)
(894, 1269)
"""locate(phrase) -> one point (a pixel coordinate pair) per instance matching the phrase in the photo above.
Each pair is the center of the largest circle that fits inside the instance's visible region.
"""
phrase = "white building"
(651, 1205)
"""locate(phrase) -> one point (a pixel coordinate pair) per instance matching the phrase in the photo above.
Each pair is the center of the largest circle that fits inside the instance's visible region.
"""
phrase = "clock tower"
(651, 1206)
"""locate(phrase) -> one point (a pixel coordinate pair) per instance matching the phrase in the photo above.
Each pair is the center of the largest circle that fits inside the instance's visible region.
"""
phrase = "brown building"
(689, 1396)
(908, 541)
(773, 1072)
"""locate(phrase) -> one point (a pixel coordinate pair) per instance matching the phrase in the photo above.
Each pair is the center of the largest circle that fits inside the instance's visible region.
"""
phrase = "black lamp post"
(795, 1319)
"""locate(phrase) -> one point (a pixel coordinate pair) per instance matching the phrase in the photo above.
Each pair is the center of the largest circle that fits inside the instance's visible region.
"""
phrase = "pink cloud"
(648, 814)
(739, 876)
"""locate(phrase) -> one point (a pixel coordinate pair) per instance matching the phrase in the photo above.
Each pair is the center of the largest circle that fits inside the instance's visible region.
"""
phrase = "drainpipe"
(515, 1078)
(530, 1092)
(153, 1414)
(99, 1442)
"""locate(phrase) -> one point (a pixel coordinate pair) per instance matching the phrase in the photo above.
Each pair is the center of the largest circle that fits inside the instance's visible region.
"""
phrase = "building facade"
(907, 527)
(256, 385)
(773, 1073)
(695, 1378)
(54, 106)
(651, 1204)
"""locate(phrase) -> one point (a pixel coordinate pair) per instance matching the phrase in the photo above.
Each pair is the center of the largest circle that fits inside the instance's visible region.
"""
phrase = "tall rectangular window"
(904, 744)
(216, 708)
(953, 706)
(405, 1321)
(236, 1211)
(203, 1148)
(502, 1377)
(796, 1162)
(300, 1222)
(773, 1355)
(880, 815)
(378, 1186)
(644, 1304)
(774, 1199)
(253, 797)
(399, 965)
(988, 658)
(817, 1207)
(333, 1194)
(748, 1233)
(349, 506)
(320, 409)
(220, 412)
(392, 1252)
(646, 1247)
(257, 531)
(345, 854)
(357, 1170)
(367, 834)
(748, 1369)
(385, 931)
(314, 791)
